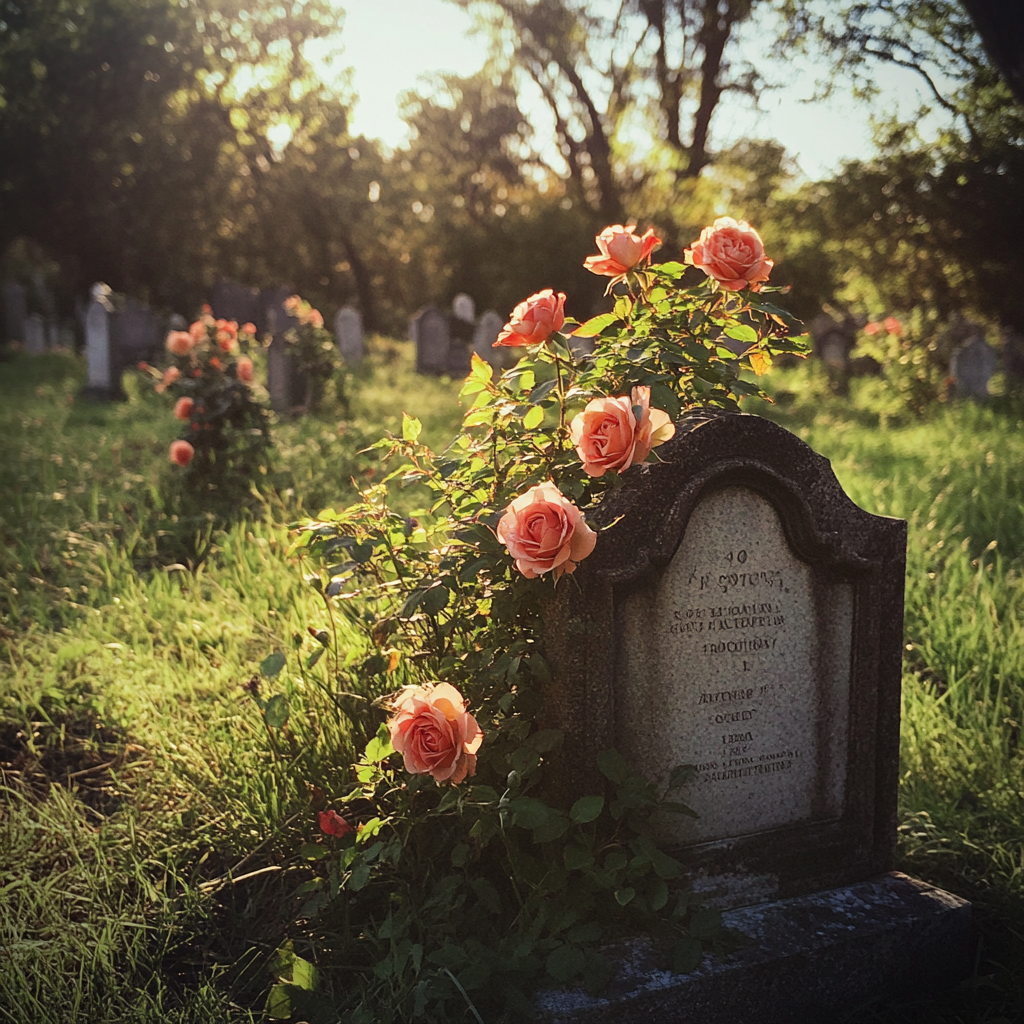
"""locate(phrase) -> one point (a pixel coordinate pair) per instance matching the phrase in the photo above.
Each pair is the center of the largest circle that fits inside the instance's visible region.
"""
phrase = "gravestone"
(833, 341)
(232, 301)
(286, 386)
(35, 334)
(135, 333)
(484, 337)
(15, 311)
(461, 325)
(741, 615)
(348, 330)
(464, 308)
(429, 330)
(1013, 357)
(971, 366)
(103, 368)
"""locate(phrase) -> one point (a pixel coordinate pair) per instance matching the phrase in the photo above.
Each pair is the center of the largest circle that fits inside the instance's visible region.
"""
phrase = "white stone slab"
(738, 662)
(97, 343)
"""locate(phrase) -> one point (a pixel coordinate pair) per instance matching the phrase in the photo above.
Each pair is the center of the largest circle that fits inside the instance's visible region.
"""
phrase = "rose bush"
(461, 881)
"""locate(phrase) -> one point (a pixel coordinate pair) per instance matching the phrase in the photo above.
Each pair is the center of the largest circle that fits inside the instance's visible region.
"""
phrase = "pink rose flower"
(181, 452)
(872, 329)
(179, 343)
(608, 434)
(621, 250)
(244, 369)
(534, 320)
(333, 824)
(316, 318)
(197, 330)
(435, 734)
(544, 531)
(248, 328)
(183, 408)
(732, 253)
(892, 325)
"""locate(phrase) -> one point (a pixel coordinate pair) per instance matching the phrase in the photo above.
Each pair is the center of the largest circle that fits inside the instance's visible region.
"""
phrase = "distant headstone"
(15, 311)
(348, 330)
(833, 342)
(135, 332)
(1013, 357)
(464, 308)
(433, 341)
(972, 365)
(286, 386)
(103, 368)
(231, 301)
(741, 615)
(66, 338)
(35, 334)
(484, 337)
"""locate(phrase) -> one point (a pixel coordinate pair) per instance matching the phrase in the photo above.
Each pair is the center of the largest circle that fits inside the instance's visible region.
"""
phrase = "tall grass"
(152, 828)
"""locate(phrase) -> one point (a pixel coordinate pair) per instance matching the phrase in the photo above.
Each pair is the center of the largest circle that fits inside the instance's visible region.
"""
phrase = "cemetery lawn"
(136, 773)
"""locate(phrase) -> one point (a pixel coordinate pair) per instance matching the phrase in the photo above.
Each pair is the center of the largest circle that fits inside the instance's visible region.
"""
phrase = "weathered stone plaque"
(740, 615)
(738, 661)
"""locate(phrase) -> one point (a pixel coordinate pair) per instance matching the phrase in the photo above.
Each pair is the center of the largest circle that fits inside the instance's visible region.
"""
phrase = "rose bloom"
(544, 531)
(248, 328)
(534, 320)
(316, 318)
(892, 325)
(333, 824)
(244, 369)
(206, 309)
(621, 250)
(226, 333)
(197, 330)
(183, 408)
(872, 329)
(292, 303)
(431, 728)
(181, 452)
(215, 363)
(179, 343)
(608, 435)
(732, 253)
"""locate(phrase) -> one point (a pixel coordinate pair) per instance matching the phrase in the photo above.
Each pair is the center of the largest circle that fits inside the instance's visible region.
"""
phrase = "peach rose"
(872, 329)
(183, 408)
(732, 253)
(244, 369)
(316, 318)
(621, 250)
(171, 374)
(544, 531)
(609, 435)
(534, 320)
(248, 328)
(179, 343)
(431, 728)
(181, 452)
(892, 326)
(197, 330)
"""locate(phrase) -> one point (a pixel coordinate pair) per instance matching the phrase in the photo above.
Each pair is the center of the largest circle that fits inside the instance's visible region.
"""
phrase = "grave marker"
(232, 301)
(833, 342)
(972, 365)
(135, 333)
(429, 330)
(348, 330)
(464, 308)
(35, 334)
(15, 311)
(484, 337)
(286, 387)
(741, 615)
(103, 369)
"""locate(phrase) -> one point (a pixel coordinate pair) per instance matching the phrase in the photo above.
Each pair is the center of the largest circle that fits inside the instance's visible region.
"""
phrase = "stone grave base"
(810, 956)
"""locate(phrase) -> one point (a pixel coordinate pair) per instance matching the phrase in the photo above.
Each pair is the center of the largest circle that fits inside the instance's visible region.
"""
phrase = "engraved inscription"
(737, 661)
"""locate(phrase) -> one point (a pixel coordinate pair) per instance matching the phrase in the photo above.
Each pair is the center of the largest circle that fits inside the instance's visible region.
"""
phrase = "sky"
(389, 44)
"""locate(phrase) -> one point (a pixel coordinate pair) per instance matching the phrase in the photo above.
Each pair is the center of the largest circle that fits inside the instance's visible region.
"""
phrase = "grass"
(144, 801)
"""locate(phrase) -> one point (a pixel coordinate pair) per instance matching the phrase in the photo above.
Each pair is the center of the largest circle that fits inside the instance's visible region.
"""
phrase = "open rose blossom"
(181, 453)
(544, 531)
(621, 250)
(534, 320)
(872, 329)
(197, 330)
(244, 369)
(608, 434)
(431, 728)
(183, 408)
(179, 343)
(248, 328)
(333, 824)
(892, 325)
(732, 253)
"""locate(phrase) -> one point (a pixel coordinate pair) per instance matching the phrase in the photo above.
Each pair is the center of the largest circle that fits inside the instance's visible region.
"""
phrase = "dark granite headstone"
(833, 341)
(972, 365)
(286, 386)
(484, 337)
(740, 614)
(135, 333)
(231, 301)
(15, 311)
(35, 334)
(430, 332)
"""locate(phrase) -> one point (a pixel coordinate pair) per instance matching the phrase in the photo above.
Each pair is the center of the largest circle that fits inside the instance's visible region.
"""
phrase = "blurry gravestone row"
(445, 343)
(38, 332)
(116, 339)
(743, 616)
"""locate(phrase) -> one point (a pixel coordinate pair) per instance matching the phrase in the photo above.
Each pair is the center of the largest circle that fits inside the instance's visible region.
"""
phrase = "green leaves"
(586, 809)
(271, 666)
(411, 428)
